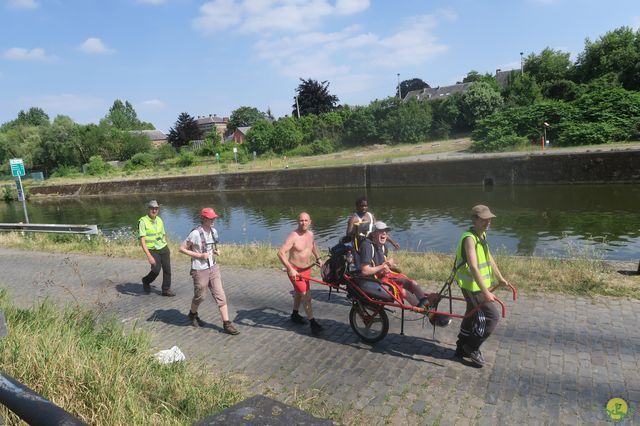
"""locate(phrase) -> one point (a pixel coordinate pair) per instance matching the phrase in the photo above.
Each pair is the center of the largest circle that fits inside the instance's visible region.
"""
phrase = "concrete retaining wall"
(594, 167)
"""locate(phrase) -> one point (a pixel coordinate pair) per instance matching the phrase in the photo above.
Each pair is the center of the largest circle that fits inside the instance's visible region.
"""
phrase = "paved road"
(556, 360)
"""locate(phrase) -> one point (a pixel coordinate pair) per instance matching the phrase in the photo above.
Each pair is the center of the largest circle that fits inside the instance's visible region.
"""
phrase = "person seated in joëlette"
(373, 263)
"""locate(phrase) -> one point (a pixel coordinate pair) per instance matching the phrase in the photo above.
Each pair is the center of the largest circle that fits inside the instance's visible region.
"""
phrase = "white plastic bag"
(168, 356)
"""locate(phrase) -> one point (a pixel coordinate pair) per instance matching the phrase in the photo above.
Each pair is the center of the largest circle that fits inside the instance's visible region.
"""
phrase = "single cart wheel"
(369, 322)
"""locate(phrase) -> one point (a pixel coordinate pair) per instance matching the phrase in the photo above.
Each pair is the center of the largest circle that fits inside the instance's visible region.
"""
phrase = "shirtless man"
(295, 255)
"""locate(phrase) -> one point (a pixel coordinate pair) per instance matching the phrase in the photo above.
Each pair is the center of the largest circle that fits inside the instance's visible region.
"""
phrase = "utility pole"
(521, 63)
(399, 94)
(297, 106)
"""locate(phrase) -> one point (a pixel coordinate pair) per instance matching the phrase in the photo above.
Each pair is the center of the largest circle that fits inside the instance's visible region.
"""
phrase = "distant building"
(502, 77)
(207, 124)
(156, 137)
(238, 136)
(431, 93)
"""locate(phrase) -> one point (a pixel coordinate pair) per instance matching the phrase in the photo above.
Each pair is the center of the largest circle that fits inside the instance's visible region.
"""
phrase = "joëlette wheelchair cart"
(368, 315)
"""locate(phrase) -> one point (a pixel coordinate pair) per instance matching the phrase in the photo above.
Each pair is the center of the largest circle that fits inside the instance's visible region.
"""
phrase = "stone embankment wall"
(517, 169)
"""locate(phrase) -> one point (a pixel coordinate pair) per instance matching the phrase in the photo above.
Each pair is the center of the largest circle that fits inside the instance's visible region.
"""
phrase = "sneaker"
(459, 354)
(315, 327)
(423, 302)
(229, 328)
(476, 356)
(195, 320)
(146, 287)
(297, 318)
(168, 293)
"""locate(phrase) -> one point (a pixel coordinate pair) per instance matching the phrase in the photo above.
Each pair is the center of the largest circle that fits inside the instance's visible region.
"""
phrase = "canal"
(544, 220)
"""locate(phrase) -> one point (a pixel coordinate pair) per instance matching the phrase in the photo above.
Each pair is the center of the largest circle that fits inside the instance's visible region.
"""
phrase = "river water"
(546, 220)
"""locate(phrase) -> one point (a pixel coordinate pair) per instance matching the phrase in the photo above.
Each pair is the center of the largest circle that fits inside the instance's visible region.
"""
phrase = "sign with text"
(17, 167)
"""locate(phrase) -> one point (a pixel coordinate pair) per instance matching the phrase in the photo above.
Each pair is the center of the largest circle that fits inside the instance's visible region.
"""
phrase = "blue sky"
(75, 57)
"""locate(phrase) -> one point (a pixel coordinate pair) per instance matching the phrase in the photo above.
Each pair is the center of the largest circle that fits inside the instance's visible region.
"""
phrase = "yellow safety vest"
(463, 275)
(153, 231)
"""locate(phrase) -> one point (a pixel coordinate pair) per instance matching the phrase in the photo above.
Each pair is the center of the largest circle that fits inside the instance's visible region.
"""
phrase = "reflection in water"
(542, 220)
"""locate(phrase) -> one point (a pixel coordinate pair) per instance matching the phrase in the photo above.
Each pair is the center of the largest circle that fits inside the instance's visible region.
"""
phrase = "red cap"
(208, 212)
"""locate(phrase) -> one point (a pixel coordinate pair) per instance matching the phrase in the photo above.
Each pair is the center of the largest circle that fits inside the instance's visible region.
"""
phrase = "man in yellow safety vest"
(153, 240)
(475, 272)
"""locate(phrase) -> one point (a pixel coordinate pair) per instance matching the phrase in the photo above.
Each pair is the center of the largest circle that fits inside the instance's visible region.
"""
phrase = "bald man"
(295, 254)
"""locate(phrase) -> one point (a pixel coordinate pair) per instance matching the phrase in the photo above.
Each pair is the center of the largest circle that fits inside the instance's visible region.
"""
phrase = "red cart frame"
(368, 316)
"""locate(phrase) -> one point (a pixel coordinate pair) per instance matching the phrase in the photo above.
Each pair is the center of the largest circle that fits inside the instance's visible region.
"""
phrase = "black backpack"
(333, 269)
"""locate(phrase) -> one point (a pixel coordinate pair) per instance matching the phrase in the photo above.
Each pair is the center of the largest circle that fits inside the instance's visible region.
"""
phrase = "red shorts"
(301, 282)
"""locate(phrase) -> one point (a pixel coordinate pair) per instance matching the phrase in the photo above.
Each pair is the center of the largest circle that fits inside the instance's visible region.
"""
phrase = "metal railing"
(52, 228)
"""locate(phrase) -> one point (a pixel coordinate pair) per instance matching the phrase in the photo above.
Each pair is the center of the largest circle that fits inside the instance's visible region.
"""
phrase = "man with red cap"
(202, 246)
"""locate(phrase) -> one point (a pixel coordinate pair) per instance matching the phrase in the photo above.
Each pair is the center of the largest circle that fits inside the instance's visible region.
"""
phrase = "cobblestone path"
(553, 360)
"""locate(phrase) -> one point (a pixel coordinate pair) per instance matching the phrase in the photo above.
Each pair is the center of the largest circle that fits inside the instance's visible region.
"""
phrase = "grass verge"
(584, 275)
(102, 373)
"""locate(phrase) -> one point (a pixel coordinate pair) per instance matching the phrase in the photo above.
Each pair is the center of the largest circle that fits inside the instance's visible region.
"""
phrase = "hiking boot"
(315, 327)
(229, 328)
(168, 293)
(297, 318)
(145, 286)
(195, 320)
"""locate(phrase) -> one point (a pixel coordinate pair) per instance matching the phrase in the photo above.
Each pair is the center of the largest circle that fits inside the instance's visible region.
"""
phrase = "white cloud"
(324, 55)
(413, 44)
(94, 45)
(22, 54)
(153, 2)
(23, 4)
(65, 104)
(153, 104)
(349, 7)
(217, 15)
(258, 16)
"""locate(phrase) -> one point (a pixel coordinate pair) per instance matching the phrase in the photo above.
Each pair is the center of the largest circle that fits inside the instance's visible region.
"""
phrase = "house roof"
(437, 92)
(154, 135)
(244, 129)
(210, 119)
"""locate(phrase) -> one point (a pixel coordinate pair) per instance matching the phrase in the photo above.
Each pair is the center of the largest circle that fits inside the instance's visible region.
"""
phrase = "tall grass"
(102, 373)
(584, 274)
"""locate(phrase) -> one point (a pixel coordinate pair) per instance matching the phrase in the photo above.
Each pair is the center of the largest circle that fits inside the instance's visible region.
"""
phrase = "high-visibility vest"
(463, 275)
(153, 232)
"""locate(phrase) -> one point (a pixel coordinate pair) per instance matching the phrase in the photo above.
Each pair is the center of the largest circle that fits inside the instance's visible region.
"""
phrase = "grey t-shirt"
(194, 243)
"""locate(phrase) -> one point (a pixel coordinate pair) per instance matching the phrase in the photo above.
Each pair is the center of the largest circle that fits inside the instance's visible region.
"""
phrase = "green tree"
(446, 114)
(521, 90)
(259, 138)
(410, 85)
(183, 131)
(481, 100)
(244, 116)
(286, 135)
(360, 127)
(548, 66)
(35, 117)
(397, 121)
(314, 98)
(60, 145)
(124, 117)
(617, 52)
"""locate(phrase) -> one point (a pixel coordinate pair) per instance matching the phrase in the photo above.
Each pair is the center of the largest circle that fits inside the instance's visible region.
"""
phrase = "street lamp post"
(399, 94)
(521, 63)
